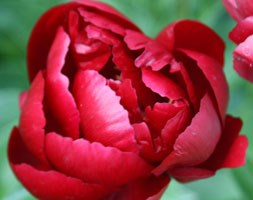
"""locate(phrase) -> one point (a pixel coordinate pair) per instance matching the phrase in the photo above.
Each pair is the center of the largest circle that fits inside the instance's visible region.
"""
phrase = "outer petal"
(151, 188)
(110, 13)
(103, 118)
(196, 144)
(59, 98)
(231, 149)
(55, 185)
(41, 38)
(47, 184)
(94, 163)
(243, 59)
(173, 37)
(190, 174)
(107, 21)
(32, 119)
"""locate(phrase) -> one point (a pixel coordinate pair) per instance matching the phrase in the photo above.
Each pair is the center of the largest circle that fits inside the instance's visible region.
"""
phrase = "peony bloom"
(242, 35)
(113, 114)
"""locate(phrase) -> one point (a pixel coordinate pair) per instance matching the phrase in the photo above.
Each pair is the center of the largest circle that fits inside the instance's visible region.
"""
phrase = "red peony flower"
(242, 34)
(113, 114)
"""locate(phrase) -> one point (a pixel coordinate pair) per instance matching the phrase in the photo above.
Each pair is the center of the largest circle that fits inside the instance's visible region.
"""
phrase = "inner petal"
(103, 117)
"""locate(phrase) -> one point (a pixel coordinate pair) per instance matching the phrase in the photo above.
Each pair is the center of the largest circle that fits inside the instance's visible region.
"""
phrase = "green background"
(17, 18)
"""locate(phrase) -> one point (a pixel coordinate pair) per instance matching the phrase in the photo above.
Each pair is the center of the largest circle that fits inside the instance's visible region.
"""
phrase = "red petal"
(105, 36)
(106, 21)
(232, 7)
(215, 75)
(90, 53)
(145, 95)
(92, 162)
(32, 119)
(190, 174)
(55, 185)
(104, 120)
(245, 7)
(236, 156)
(188, 82)
(145, 141)
(19, 153)
(151, 189)
(242, 30)
(175, 126)
(41, 38)
(154, 54)
(106, 10)
(161, 84)
(231, 149)
(129, 100)
(197, 142)
(59, 98)
(46, 184)
(243, 59)
(160, 114)
(173, 37)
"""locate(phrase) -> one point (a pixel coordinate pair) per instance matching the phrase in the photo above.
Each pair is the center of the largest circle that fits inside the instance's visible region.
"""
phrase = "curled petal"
(242, 30)
(110, 13)
(145, 141)
(160, 114)
(41, 39)
(94, 163)
(129, 100)
(178, 67)
(32, 119)
(173, 37)
(196, 144)
(154, 55)
(174, 126)
(59, 98)
(103, 118)
(243, 59)
(215, 75)
(231, 149)
(162, 85)
(106, 21)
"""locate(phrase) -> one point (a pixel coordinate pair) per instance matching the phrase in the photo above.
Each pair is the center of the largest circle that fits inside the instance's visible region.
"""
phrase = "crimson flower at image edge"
(242, 35)
(112, 114)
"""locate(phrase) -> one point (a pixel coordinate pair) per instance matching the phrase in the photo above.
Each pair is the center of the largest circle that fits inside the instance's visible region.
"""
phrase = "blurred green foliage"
(17, 18)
